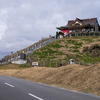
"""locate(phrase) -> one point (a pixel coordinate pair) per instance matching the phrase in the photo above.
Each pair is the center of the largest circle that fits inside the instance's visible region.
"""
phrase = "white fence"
(20, 61)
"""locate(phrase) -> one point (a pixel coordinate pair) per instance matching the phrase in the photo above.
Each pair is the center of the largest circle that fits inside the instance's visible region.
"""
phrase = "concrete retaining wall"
(20, 61)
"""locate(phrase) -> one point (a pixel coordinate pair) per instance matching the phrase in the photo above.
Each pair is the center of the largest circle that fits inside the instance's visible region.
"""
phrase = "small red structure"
(65, 32)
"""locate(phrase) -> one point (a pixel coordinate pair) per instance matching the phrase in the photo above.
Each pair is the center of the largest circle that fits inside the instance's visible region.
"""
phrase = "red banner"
(65, 32)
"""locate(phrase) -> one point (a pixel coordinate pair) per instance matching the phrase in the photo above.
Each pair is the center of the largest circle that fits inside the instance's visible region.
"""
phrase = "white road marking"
(91, 95)
(35, 96)
(9, 84)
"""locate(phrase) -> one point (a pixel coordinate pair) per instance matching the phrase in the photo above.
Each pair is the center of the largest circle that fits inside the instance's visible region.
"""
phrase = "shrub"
(75, 50)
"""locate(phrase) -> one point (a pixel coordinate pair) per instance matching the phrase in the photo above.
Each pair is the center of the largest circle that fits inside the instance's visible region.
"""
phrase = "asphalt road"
(18, 89)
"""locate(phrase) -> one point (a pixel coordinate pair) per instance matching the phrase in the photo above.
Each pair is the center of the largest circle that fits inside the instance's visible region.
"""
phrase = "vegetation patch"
(75, 50)
(66, 46)
(78, 44)
(14, 66)
(37, 53)
(88, 40)
(93, 50)
(71, 41)
(69, 48)
(75, 47)
(56, 45)
(26, 65)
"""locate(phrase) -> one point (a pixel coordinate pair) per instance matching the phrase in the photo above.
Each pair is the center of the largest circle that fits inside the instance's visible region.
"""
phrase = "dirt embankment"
(76, 77)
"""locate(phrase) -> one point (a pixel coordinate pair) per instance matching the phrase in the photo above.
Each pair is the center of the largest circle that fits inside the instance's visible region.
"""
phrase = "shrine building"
(81, 25)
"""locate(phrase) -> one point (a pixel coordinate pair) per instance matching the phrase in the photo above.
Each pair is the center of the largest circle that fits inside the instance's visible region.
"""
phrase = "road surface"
(18, 89)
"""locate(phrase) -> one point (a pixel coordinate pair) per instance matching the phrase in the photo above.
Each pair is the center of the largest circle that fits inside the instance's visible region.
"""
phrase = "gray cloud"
(24, 22)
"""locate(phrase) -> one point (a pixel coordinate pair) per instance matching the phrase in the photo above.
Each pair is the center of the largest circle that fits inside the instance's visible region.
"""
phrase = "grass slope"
(14, 66)
(75, 77)
(68, 48)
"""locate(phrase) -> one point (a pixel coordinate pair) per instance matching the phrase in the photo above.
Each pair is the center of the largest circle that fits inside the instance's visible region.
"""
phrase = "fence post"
(75, 34)
(50, 63)
(94, 34)
(89, 63)
(62, 63)
(44, 63)
(56, 63)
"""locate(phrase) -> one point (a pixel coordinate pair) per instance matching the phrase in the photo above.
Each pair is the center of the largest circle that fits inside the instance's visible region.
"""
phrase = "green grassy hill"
(83, 49)
(14, 66)
(75, 76)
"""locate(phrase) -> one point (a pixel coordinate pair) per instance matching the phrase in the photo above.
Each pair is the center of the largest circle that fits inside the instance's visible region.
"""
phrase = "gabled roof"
(82, 23)
(90, 21)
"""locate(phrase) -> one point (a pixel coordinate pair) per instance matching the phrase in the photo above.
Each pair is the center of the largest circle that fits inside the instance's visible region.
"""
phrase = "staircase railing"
(36, 46)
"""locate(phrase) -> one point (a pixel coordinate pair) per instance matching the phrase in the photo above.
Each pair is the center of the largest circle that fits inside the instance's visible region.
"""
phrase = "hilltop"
(84, 49)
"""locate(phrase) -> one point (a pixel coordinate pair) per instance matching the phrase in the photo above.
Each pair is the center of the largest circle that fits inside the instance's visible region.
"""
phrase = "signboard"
(35, 63)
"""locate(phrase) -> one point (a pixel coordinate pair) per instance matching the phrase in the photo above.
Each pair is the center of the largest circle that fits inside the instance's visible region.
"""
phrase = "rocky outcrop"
(93, 50)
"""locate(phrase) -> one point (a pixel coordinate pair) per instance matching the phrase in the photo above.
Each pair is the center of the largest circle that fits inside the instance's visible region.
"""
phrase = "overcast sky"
(24, 22)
